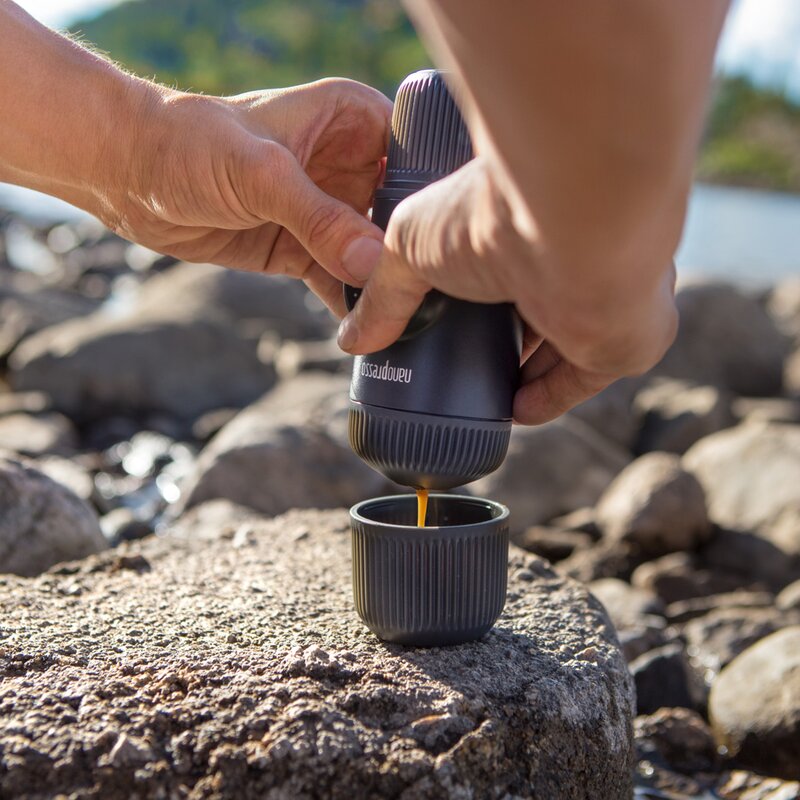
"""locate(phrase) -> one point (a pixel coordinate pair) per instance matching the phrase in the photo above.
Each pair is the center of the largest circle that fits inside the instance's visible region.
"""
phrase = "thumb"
(345, 243)
(389, 299)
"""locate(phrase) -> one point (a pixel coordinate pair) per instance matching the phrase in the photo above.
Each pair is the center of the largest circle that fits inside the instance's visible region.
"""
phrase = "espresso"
(422, 507)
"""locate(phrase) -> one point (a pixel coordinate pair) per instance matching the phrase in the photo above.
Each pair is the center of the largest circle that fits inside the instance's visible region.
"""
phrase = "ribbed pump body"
(434, 409)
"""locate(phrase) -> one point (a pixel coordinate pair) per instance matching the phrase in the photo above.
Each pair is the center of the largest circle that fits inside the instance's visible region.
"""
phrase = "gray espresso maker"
(433, 410)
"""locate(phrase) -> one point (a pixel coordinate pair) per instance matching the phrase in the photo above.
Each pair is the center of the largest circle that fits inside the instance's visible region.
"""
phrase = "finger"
(390, 298)
(543, 359)
(555, 391)
(327, 288)
(531, 341)
(338, 238)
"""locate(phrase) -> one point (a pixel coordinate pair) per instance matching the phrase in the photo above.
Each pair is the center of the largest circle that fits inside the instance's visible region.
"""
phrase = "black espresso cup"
(443, 584)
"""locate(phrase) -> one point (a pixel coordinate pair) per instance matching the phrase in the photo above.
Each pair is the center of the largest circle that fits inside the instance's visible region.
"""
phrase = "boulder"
(626, 605)
(677, 738)
(289, 450)
(679, 576)
(655, 506)
(750, 474)
(684, 610)
(754, 558)
(715, 639)
(754, 706)
(675, 414)
(605, 559)
(102, 365)
(664, 679)
(41, 522)
(551, 469)
(186, 344)
(239, 669)
(37, 434)
(725, 339)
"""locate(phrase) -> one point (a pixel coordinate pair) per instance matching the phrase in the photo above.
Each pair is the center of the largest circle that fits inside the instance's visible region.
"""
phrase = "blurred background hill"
(223, 47)
(744, 210)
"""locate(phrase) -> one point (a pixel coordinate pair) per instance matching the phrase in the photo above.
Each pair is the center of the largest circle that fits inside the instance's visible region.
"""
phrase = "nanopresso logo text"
(383, 372)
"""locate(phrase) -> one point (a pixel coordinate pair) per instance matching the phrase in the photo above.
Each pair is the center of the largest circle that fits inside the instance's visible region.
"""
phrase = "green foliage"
(752, 138)
(745, 163)
(232, 46)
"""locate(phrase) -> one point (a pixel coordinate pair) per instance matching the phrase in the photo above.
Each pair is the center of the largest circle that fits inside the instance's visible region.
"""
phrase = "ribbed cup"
(440, 585)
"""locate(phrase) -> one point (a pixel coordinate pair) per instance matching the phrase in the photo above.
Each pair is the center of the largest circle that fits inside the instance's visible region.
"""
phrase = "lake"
(742, 235)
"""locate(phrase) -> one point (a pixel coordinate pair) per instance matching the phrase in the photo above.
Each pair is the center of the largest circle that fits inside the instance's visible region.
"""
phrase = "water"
(741, 235)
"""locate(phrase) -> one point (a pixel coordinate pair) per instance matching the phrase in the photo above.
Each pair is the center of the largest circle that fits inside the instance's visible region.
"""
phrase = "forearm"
(68, 125)
(591, 112)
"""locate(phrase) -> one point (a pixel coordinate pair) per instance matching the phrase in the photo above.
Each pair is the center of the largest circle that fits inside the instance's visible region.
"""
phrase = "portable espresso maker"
(432, 411)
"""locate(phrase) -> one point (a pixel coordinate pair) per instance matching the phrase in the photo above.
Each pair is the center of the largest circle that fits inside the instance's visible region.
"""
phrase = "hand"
(461, 236)
(274, 181)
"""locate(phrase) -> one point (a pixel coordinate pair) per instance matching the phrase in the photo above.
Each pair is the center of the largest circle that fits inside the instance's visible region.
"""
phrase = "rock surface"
(726, 339)
(750, 474)
(289, 450)
(655, 506)
(758, 720)
(151, 671)
(552, 469)
(41, 521)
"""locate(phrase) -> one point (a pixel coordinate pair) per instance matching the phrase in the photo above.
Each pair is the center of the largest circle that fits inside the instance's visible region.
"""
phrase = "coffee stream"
(422, 507)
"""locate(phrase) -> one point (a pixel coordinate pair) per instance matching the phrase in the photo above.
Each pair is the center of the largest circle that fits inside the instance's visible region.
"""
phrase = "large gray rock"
(178, 349)
(715, 639)
(675, 414)
(41, 521)
(552, 469)
(725, 339)
(655, 505)
(754, 705)
(289, 450)
(187, 344)
(239, 670)
(750, 474)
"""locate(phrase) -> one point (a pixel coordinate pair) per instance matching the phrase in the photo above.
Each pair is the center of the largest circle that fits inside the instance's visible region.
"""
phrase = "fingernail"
(361, 256)
(348, 333)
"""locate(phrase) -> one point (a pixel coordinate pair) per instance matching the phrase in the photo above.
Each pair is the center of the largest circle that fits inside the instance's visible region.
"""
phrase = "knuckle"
(323, 222)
